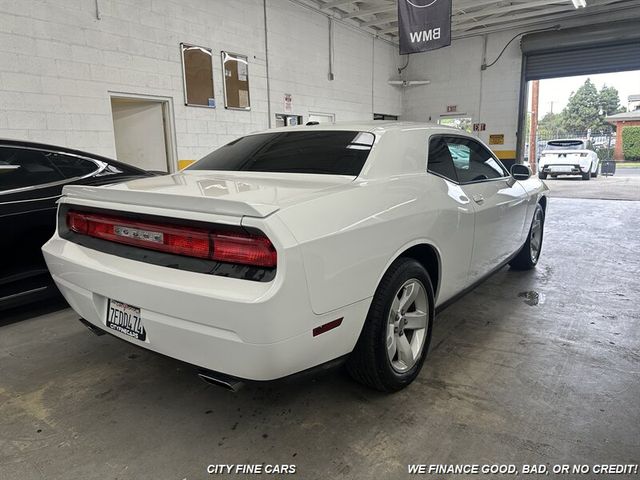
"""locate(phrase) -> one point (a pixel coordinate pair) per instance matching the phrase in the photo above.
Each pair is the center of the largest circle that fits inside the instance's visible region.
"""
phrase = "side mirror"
(520, 172)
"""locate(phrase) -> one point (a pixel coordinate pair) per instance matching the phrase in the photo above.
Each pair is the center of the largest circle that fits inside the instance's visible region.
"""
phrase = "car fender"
(536, 189)
(397, 254)
(407, 246)
(343, 262)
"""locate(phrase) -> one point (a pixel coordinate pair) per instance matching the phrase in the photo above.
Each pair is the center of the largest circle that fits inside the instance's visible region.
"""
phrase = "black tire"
(525, 260)
(542, 176)
(369, 362)
(594, 174)
(586, 176)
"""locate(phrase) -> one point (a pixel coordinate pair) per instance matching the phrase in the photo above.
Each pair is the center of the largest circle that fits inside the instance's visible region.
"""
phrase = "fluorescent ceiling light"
(579, 3)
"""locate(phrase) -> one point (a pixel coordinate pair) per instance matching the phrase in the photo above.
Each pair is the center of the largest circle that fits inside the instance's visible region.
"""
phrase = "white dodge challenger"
(296, 248)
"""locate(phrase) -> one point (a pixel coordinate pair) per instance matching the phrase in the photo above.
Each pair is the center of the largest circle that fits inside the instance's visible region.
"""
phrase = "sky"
(554, 93)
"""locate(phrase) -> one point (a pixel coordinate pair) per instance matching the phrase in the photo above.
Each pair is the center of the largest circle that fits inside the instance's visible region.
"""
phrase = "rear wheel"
(529, 254)
(542, 176)
(586, 176)
(594, 174)
(395, 338)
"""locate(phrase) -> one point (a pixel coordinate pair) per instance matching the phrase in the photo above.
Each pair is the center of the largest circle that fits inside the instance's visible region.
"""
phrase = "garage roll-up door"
(603, 48)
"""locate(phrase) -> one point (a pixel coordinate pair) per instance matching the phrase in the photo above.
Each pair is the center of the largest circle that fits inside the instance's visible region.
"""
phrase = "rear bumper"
(564, 169)
(250, 330)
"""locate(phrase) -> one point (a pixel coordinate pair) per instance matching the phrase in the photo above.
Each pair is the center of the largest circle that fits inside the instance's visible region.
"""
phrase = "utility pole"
(533, 134)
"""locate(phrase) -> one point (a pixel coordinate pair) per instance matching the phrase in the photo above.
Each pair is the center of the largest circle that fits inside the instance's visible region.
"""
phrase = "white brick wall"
(489, 97)
(58, 64)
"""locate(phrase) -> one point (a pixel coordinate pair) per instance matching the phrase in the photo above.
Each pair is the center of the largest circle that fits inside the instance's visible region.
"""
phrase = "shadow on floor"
(32, 310)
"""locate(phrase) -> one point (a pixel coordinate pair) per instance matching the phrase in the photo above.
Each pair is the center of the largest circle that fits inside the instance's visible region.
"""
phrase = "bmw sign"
(424, 25)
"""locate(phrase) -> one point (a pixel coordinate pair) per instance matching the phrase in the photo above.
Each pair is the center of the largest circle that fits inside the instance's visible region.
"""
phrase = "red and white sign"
(288, 103)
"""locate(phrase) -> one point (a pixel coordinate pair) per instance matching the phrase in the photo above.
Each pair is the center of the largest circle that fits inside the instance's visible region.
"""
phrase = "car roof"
(46, 146)
(6, 142)
(373, 126)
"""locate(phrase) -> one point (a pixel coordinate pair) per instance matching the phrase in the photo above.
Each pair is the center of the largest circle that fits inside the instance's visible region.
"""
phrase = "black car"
(31, 179)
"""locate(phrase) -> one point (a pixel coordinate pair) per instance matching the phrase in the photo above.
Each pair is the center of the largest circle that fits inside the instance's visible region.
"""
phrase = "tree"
(550, 126)
(609, 105)
(609, 100)
(583, 109)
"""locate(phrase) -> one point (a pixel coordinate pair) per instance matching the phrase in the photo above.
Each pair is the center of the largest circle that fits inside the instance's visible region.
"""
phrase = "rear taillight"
(221, 246)
(249, 250)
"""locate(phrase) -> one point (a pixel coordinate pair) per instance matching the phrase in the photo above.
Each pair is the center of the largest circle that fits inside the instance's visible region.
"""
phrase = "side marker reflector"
(326, 327)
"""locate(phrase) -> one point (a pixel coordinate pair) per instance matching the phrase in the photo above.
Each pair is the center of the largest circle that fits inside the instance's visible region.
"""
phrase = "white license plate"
(560, 169)
(125, 319)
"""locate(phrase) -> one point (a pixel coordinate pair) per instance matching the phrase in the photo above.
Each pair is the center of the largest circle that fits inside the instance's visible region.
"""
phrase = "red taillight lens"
(249, 250)
(77, 222)
(191, 242)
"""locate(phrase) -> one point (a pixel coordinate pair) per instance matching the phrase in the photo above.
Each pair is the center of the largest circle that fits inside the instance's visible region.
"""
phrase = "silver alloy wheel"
(536, 235)
(407, 325)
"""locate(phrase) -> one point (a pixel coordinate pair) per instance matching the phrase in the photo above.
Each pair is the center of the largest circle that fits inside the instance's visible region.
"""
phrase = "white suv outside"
(568, 157)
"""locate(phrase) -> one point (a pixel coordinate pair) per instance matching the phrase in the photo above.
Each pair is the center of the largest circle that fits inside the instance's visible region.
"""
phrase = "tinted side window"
(323, 152)
(440, 160)
(473, 162)
(25, 168)
(72, 167)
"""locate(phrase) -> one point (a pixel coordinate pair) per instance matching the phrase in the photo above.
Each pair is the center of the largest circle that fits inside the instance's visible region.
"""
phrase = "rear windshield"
(321, 152)
(565, 145)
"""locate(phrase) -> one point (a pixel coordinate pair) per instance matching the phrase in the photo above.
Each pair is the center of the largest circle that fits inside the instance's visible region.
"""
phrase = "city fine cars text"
(510, 469)
(245, 469)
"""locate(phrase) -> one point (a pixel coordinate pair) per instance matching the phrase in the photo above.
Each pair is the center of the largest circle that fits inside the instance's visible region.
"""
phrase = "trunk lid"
(253, 194)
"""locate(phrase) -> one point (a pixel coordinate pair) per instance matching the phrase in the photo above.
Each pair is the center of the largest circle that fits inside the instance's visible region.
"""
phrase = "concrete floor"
(628, 171)
(624, 185)
(529, 368)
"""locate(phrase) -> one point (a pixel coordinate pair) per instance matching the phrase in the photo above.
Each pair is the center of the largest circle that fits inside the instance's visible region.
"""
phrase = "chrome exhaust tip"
(220, 380)
(95, 330)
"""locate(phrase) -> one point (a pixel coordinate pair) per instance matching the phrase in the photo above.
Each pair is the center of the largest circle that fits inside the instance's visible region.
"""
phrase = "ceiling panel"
(474, 17)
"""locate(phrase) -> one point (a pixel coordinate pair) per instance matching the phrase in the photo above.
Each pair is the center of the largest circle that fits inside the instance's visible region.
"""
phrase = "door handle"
(479, 199)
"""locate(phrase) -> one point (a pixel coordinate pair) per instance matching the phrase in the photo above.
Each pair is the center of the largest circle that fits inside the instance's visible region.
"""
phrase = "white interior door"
(139, 130)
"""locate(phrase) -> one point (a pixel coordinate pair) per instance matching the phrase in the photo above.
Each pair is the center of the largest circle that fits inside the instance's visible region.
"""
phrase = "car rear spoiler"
(201, 204)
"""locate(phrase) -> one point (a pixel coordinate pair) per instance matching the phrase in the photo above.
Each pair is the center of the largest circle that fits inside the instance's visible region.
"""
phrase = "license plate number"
(561, 169)
(125, 319)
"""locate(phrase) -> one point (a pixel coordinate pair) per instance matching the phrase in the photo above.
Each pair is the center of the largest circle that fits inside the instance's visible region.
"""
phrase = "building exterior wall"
(59, 64)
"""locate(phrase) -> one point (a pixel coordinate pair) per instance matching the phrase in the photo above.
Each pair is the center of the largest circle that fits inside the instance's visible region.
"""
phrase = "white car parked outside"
(568, 157)
(292, 248)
